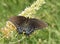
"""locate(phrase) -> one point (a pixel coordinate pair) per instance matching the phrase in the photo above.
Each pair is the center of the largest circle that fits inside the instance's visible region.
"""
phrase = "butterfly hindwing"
(29, 30)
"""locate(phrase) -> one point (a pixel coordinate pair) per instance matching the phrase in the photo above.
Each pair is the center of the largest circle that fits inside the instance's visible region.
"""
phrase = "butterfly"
(27, 25)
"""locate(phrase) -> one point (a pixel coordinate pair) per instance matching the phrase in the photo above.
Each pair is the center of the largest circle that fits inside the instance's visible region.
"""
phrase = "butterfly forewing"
(17, 20)
(35, 23)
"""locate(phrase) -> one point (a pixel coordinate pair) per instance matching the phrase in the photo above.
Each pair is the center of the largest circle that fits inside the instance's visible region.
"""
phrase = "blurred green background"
(49, 12)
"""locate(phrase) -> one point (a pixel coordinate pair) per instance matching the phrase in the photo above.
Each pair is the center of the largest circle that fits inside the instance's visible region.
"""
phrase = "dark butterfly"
(27, 25)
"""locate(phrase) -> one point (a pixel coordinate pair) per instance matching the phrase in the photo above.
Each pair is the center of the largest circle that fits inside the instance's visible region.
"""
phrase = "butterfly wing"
(33, 25)
(29, 30)
(18, 21)
(37, 24)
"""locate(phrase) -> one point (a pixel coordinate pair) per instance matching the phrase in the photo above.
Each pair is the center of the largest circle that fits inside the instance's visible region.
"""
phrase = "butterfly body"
(27, 25)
